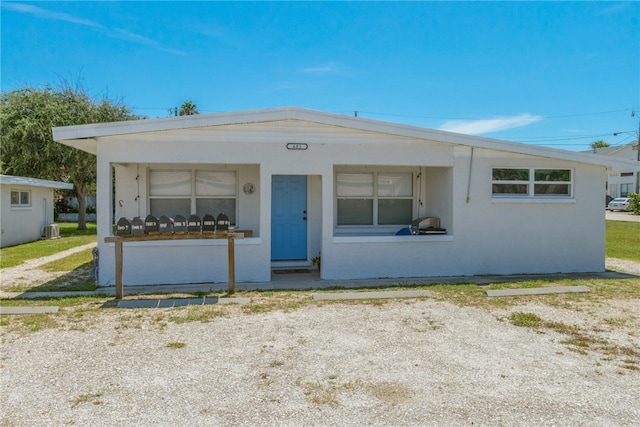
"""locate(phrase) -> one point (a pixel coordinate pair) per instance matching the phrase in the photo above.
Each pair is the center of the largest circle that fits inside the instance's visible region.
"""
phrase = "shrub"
(634, 203)
(61, 203)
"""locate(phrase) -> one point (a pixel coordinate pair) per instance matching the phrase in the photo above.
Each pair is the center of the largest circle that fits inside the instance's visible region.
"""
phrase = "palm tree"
(188, 108)
(601, 143)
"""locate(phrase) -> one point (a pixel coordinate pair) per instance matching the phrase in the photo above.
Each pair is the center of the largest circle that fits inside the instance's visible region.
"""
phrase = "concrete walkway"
(333, 296)
(309, 281)
(621, 216)
(29, 271)
(39, 309)
(37, 262)
(537, 291)
(179, 302)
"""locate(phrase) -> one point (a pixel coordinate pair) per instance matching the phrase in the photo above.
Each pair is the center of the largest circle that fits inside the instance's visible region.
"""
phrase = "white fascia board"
(90, 145)
(98, 130)
(462, 139)
(34, 182)
(84, 137)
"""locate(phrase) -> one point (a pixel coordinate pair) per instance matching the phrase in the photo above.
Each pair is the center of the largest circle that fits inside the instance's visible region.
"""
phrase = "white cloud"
(116, 34)
(478, 127)
(48, 14)
(330, 68)
(136, 38)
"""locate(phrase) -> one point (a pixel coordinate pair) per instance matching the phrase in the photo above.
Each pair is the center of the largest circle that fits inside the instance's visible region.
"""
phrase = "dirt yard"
(393, 363)
(538, 362)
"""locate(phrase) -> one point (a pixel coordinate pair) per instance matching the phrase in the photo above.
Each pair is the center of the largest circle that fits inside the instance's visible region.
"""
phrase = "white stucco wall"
(485, 235)
(617, 180)
(25, 224)
(491, 235)
(617, 183)
(132, 190)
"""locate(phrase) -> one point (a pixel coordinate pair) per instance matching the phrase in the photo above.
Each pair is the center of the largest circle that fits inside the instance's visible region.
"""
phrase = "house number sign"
(297, 146)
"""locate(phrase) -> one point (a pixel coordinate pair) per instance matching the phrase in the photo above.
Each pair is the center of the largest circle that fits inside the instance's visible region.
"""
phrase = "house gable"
(85, 137)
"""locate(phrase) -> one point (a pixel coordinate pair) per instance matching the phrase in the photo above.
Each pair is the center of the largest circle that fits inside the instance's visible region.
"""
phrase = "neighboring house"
(90, 202)
(308, 183)
(27, 208)
(72, 202)
(621, 183)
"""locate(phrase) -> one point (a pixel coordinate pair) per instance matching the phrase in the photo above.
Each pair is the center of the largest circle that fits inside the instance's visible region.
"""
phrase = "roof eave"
(98, 130)
(34, 182)
(84, 137)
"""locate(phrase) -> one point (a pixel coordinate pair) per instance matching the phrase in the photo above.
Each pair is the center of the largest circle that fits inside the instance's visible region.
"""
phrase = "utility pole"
(638, 157)
(633, 113)
(637, 148)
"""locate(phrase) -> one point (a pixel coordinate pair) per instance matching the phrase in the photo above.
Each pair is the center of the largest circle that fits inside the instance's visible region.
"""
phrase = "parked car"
(619, 204)
(607, 199)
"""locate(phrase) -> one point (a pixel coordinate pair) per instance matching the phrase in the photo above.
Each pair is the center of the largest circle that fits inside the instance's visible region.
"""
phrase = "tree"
(634, 203)
(188, 108)
(600, 144)
(27, 116)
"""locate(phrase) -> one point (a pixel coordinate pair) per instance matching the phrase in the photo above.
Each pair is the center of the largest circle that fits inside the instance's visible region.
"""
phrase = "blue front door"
(289, 217)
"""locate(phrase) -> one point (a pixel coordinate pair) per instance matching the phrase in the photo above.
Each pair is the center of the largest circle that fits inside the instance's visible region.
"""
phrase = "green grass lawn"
(623, 240)
(71, 237)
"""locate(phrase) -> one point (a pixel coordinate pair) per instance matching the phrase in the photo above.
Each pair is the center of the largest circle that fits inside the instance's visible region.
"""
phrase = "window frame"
(19, 204)
(531, 184)
(375, 197)
(193, 197)
(628, 186)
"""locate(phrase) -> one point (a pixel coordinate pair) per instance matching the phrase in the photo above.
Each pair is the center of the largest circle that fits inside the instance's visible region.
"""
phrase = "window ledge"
(393, 239)
(535, 200)
(21, 208)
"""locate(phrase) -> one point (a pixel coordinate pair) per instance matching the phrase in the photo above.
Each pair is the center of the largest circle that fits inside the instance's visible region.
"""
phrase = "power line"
(419, 116)
(542, 140)
(555, 138)
(476, 118)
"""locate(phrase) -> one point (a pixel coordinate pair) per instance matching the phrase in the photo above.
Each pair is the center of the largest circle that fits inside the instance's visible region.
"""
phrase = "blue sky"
(559, 74)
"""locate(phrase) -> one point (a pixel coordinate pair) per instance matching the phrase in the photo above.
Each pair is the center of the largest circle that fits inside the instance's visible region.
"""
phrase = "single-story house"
(27, 208)
(309, 183)
(621, 183)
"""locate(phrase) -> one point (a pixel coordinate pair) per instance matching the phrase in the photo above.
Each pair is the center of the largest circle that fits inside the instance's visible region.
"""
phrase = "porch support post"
(117, 243)
(232, 262)
(119, 285)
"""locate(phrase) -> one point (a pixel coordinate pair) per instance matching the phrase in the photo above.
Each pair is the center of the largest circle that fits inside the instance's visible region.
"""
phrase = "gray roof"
(34, 182)
(613, 150)
(85, 137)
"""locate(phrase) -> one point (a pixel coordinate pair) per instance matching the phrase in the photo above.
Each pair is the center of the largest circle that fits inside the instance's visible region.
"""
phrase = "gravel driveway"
(397, 363)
